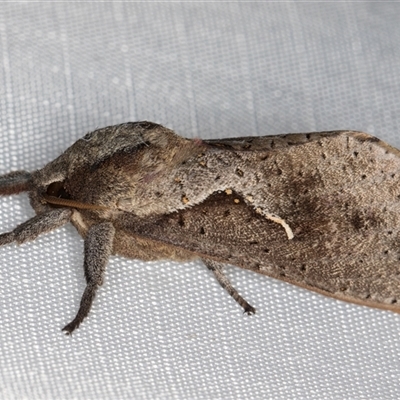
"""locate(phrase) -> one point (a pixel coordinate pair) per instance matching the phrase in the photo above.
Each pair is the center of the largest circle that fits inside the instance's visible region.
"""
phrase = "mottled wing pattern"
(339, 193)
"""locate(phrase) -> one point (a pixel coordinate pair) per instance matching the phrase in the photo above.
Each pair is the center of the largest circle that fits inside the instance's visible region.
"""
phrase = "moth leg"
(217, 270)
(98, 247)
(282, 222)
(15, 182)
(37, 225)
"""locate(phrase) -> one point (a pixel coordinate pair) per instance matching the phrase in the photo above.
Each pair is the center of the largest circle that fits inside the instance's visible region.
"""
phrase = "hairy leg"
(37, 225)
(98, 247)
(15, 182)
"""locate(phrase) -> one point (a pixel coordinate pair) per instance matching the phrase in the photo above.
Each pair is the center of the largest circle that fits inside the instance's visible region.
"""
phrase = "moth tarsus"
(139, 190)
(217, 269)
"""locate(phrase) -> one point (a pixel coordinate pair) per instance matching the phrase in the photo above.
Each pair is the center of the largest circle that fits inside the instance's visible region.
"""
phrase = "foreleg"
(37, 225)
(15, 182)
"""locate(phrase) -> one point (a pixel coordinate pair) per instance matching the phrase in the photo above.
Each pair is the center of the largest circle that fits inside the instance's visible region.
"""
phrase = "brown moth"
(319, 210)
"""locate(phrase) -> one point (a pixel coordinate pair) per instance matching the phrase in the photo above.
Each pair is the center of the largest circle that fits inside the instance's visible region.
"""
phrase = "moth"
(319, 210)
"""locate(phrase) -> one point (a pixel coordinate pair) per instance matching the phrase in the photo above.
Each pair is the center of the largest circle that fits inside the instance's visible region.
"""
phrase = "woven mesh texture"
(167, 330)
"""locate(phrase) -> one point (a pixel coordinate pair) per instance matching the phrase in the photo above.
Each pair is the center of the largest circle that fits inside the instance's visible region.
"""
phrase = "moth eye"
(57, 189)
